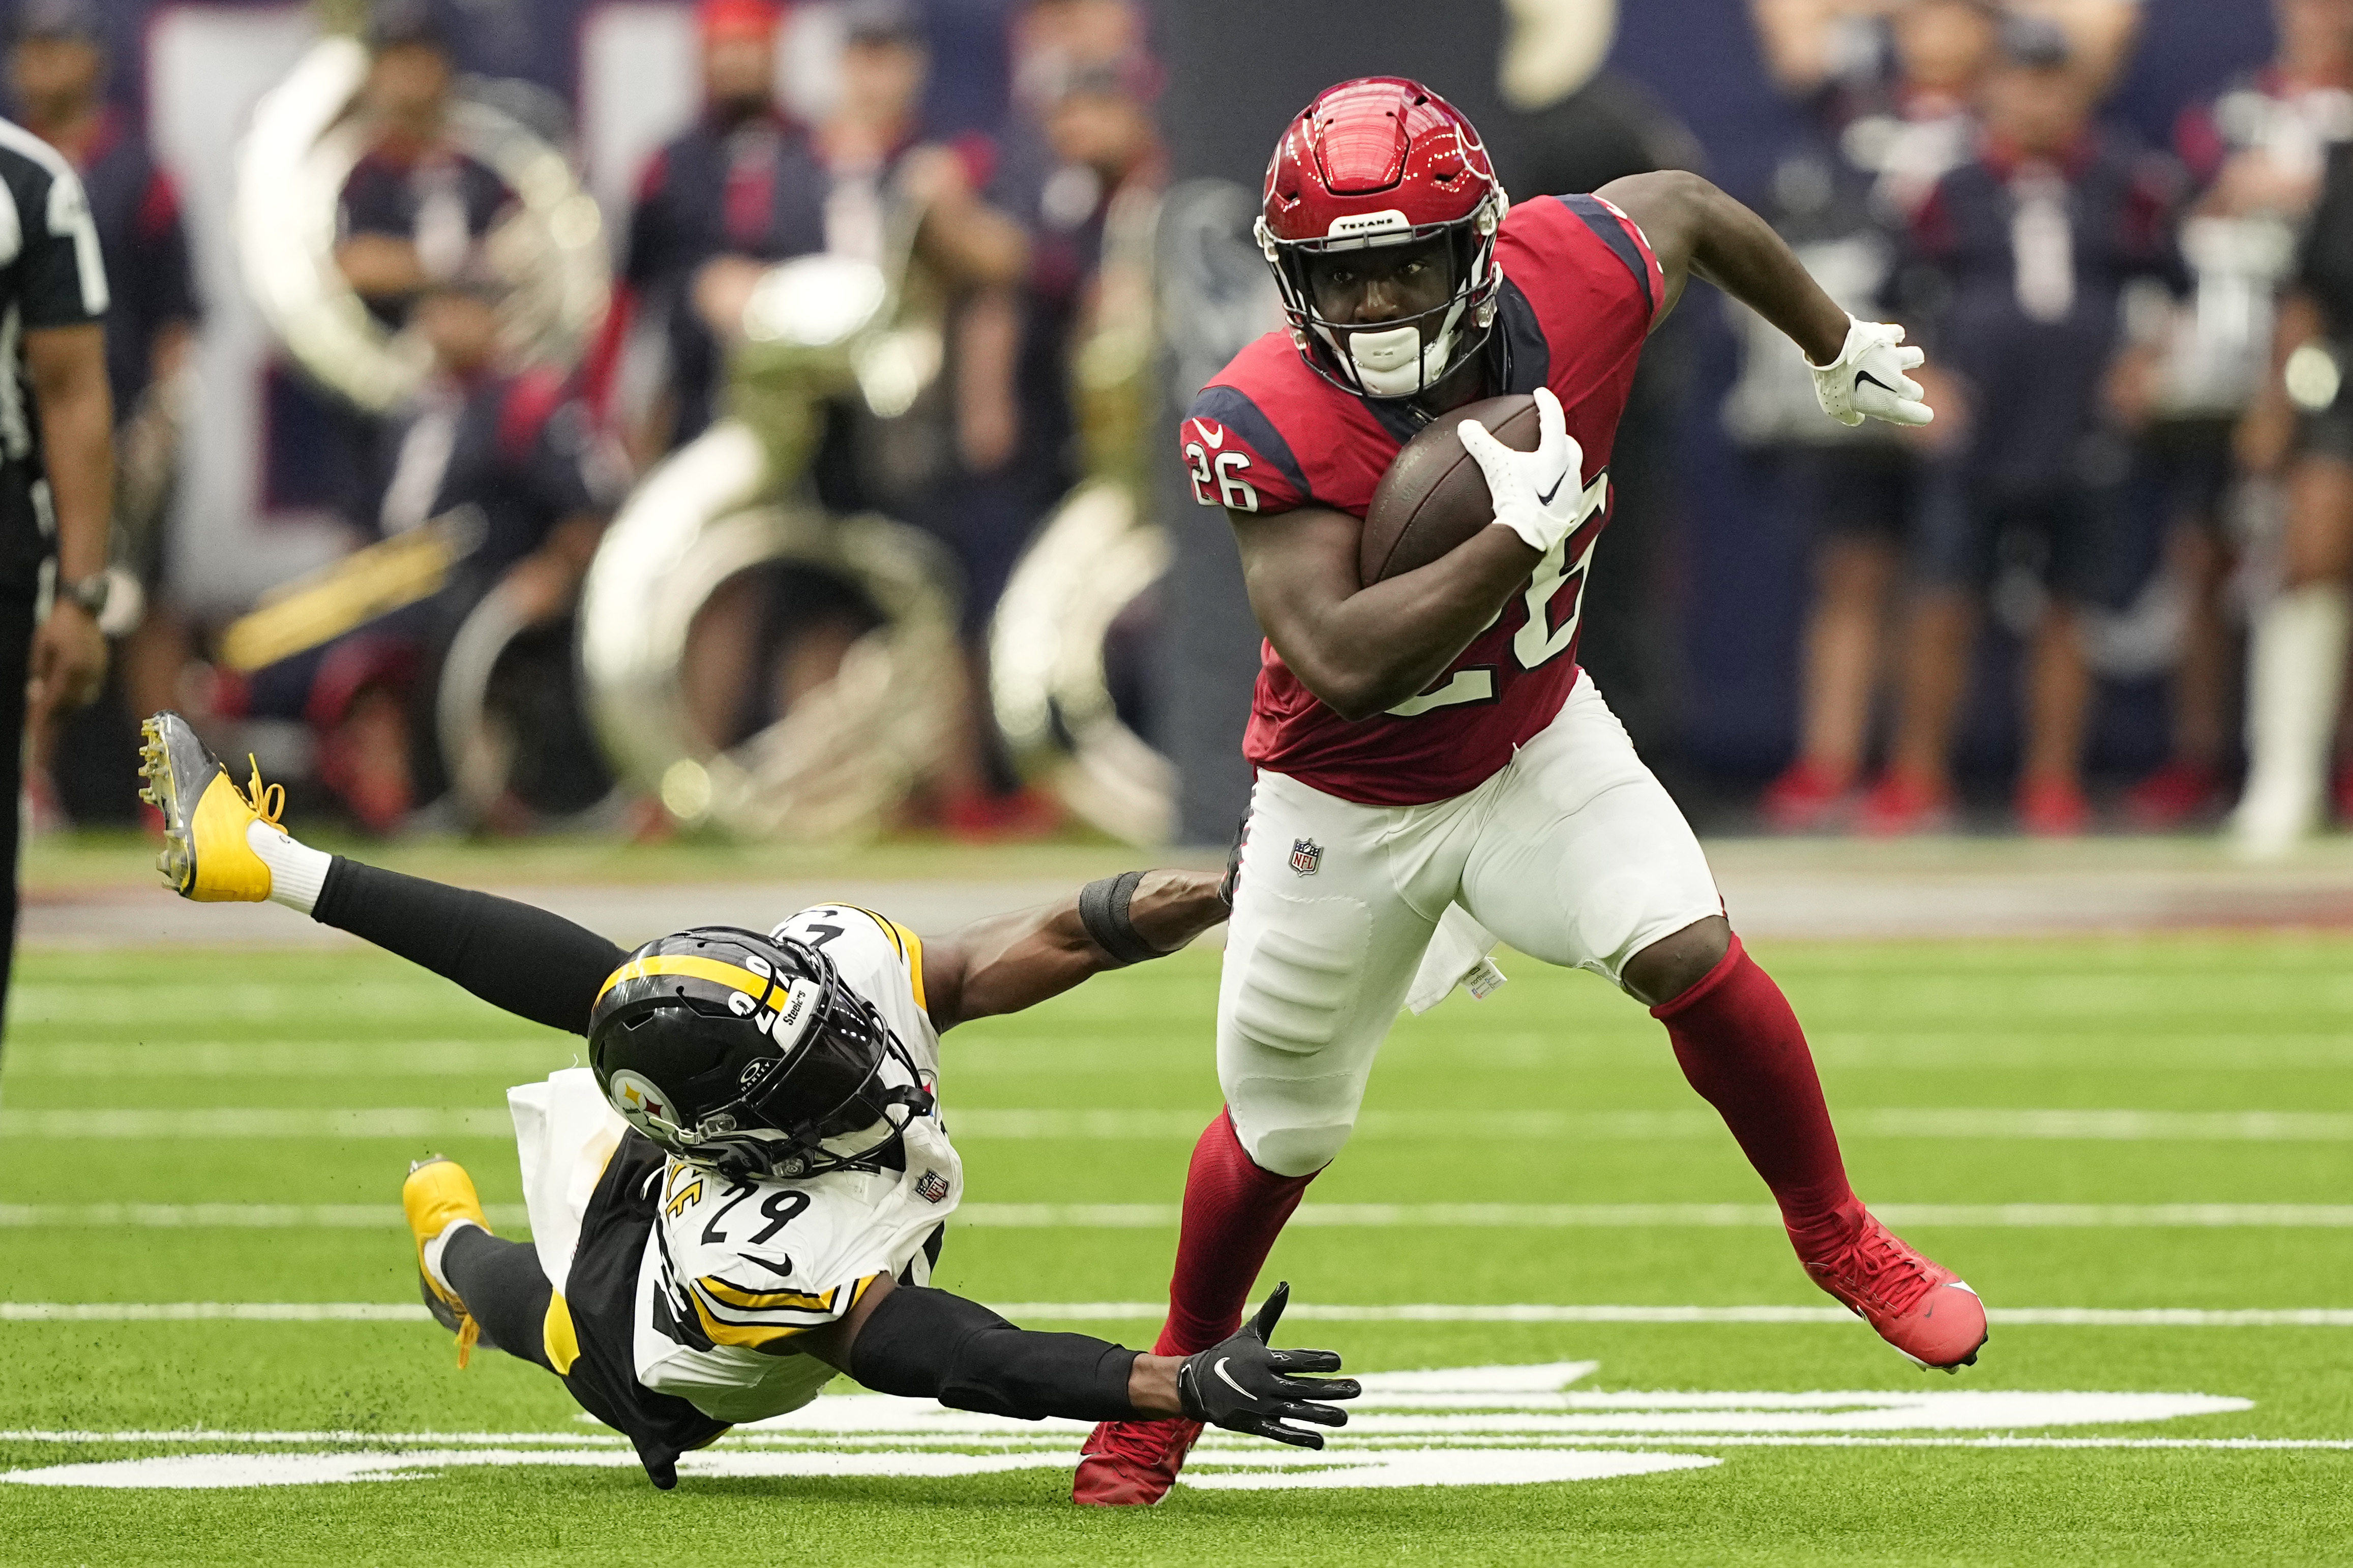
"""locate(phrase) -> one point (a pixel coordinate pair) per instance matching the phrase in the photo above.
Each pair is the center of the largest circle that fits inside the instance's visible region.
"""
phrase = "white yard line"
(226, 1216)
(1988, 1124)
(396, 1441)
(1328, 1216)
(1405, 1312)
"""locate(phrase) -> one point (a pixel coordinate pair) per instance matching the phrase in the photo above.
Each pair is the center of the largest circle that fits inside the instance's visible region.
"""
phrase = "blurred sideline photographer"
(57, 465)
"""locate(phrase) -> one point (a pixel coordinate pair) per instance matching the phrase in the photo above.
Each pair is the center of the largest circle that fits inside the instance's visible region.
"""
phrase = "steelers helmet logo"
(639, 1100)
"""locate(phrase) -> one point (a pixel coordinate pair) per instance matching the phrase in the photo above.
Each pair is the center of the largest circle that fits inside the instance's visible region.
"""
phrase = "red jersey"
(1268, 434)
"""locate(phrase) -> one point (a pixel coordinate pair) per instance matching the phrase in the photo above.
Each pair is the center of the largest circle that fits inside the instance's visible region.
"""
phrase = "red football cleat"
(1925, 1310)
(1131, 1464)
(1904, 802)
(1806, 798)
(2176, 795)
(2053, 808)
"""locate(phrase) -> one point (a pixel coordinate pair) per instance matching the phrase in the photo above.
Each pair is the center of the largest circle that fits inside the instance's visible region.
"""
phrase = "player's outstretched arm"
(1695, 230)
(1006, 963)
(932, 1345)
(1363, 650)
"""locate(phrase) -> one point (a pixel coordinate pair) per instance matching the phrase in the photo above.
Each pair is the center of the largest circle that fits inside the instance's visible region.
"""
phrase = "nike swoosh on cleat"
(1220, 1370)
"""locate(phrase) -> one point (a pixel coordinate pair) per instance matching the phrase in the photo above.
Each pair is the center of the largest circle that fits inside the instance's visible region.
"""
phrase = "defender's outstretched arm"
(1003, 963)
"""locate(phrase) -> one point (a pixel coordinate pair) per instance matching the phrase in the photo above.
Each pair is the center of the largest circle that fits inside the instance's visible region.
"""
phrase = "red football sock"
(1741, 1048)
(1234, 1208)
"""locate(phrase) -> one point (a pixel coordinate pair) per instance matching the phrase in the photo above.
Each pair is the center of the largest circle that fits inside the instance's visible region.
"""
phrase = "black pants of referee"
(15, 669)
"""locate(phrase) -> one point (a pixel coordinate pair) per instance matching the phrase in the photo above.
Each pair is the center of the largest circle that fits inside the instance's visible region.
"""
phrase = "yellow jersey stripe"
(915, 967)
(907, 944)
(752, 985)
(557, 1334)
(728, 1294)
(722, 1333)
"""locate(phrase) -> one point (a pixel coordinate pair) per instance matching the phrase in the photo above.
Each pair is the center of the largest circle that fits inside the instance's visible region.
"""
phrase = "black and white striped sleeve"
(47, 241)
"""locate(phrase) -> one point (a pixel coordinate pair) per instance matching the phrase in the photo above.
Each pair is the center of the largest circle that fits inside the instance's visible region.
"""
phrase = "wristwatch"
(90, 592)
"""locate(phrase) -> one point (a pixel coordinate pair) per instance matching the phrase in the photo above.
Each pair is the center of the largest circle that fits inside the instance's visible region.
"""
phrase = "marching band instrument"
(1095, 555)
(307, 136)
(729, 502)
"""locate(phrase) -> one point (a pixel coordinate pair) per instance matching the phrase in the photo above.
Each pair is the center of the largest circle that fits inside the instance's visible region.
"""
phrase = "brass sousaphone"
(307, 136)
(735, 499)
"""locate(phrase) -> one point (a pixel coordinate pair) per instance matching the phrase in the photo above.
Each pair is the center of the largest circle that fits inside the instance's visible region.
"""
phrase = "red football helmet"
(1383, 161)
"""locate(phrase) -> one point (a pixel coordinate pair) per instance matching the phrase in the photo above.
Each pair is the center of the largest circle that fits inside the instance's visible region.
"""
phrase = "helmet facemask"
(760, 1061)
(1382, 360)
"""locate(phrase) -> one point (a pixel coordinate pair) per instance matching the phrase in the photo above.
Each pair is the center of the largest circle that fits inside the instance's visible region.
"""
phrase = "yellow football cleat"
(205, 855)
(436, 1196)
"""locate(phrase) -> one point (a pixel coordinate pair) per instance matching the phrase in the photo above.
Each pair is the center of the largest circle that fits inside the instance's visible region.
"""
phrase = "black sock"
(503, 1289)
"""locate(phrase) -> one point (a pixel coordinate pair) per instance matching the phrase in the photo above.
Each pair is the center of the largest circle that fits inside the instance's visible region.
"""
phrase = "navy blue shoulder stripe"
(1528, 358)
(1611, 233)
(1230, 406)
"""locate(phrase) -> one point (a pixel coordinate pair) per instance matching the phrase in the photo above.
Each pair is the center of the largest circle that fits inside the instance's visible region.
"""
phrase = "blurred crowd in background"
(2136, 500)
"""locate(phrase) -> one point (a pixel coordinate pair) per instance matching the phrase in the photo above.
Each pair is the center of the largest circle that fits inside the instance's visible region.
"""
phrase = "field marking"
(1579, 1217)
(1977, 1125)
(1463, 1425)
(1323, 1216)
(1151, 1312)
(228, 1217)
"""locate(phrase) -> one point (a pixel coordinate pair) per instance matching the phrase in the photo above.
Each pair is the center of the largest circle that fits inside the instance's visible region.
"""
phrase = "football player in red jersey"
(1434, 772)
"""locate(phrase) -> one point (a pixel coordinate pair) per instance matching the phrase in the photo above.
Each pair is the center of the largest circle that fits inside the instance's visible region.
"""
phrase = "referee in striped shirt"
(57, 465)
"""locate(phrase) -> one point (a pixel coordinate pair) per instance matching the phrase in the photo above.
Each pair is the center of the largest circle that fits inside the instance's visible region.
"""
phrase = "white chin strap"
(1388, 365)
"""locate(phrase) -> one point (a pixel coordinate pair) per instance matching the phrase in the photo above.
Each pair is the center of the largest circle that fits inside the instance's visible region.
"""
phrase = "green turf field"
(2160, 1132)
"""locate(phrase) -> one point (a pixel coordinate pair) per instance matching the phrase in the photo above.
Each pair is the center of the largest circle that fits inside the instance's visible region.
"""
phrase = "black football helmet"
(750, 1055)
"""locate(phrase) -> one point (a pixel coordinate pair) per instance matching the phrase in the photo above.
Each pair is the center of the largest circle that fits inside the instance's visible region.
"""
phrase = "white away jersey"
(735, 1269)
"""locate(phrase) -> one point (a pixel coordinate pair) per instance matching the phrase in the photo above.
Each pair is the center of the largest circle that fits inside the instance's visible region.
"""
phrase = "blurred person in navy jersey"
(2030, 243)
(2299, 432)
(57, 72)
(1895, 118)
(413, 206)
(516, 451)
(2257, 151)
(740, 182)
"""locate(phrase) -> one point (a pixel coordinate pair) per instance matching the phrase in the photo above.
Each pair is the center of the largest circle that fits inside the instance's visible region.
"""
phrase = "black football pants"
(15, 669)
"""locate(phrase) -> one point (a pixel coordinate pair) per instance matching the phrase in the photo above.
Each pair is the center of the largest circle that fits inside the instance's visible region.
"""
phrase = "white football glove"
(1537, 494)
(1867, 380)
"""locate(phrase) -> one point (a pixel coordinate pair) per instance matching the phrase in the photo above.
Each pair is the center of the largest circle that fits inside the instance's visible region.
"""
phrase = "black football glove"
(1243, 1385)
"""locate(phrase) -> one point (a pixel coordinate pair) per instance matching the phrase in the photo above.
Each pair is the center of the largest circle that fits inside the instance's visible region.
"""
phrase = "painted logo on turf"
(931, 1186)
(1449, 1427)
(1306, 855)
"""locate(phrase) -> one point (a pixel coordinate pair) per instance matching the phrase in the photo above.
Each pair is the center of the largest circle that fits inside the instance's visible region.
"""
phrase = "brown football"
(1434, 496)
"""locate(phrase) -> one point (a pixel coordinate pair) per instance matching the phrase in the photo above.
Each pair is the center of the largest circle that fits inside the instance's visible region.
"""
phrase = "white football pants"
(1573, 854)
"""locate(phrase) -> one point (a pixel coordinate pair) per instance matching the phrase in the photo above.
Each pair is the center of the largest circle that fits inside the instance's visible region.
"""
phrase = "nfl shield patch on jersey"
(931, 1186)
(1306, 856)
